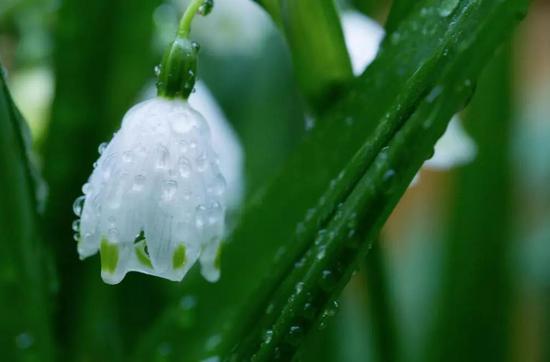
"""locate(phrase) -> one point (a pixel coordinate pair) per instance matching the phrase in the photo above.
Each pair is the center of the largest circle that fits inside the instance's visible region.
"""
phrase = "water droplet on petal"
(218, 186)
(127, 156)
(139, 182)
(200, 217)
(78, 205)
(184, 167)
(201, 162)
(101, 148)
(86, 188)
(169, 189)
(163, 157)
(76, 225)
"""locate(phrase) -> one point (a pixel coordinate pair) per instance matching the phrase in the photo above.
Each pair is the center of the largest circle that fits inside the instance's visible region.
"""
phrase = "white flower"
(225, 142)
(155, 202)
(363, 37)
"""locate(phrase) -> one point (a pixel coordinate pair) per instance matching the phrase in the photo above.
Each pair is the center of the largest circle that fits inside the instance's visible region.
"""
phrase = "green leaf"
(475, 299)
(399, 11)
(25, 324)
(343, 181)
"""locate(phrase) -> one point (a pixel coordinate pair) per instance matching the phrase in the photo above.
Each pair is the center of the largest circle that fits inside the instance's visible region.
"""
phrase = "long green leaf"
(362, 157)
(25, 325)
(474, 304)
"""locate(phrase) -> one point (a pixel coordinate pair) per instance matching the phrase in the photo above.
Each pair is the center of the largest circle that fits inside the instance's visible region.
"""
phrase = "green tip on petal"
(109, 256)
(142, 256)
(179, 257)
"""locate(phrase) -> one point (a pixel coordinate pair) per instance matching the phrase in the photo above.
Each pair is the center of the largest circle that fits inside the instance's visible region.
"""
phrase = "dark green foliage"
(473, 316)
(25, 326)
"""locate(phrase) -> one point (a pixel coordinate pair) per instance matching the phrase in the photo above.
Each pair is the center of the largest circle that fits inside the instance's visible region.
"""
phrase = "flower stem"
(184, 27)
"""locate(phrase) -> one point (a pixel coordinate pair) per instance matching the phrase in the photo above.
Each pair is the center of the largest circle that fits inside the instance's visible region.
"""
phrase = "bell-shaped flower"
(225, 142)
(155, 201)
(363, 37)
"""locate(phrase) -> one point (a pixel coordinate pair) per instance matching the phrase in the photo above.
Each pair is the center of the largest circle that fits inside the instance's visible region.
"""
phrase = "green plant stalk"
(25, 323)
(359, 127)
(473, 312)
(321, 61)
(380, 306)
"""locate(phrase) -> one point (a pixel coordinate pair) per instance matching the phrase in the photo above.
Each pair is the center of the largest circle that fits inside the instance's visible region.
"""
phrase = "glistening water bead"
(151, 205)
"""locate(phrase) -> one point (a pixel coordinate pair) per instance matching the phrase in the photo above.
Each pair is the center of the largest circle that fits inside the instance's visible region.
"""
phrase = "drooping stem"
(184, 27)
(178, 70)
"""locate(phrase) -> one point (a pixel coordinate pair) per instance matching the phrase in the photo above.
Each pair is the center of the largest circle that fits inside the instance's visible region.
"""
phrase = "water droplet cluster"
(155, 202)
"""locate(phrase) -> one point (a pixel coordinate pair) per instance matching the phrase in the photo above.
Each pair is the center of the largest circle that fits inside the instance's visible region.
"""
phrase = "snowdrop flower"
(225, 142)
(363, 37)
(155, 202)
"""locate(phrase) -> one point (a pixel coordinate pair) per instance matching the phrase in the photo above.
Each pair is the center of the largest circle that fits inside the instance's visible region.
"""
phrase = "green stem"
(380, 306)
(184, 27)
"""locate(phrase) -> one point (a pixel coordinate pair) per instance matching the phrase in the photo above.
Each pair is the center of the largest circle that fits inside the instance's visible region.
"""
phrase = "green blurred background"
(451, 282)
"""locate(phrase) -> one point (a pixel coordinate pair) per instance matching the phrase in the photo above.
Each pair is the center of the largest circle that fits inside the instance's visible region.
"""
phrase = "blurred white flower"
(363, 37)
(155, 202)
(232, 26)
(224, 141)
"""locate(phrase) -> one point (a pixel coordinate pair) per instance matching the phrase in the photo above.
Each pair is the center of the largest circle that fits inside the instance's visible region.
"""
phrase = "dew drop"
(446, 7)
(78, 205)
(389, 175)
(24, 340)
(101, 148)
(127, 156)
(200, 217)
(139, 182)
(86, 188)
(169, 189)
(218, 186)
(196, 46)
(201, 162)
(206, 7)
(215, 213)
(295, 334)
(163, 157)
(184, 167)
(328, 280)
(268, 336)
(157, 70)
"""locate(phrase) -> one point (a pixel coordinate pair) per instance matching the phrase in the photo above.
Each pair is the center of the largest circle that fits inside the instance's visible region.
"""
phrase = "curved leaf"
(25, 324)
